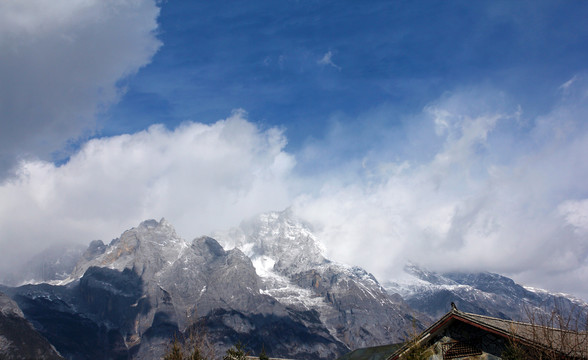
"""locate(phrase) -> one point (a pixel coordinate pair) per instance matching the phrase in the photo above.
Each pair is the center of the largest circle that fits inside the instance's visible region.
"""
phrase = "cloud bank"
(492, 191)
(199, 177)
(60, 64)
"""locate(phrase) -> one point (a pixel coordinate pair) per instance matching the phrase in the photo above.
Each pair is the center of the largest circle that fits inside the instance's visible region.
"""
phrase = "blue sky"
(265, 57)
(450, 133)
(308, 66)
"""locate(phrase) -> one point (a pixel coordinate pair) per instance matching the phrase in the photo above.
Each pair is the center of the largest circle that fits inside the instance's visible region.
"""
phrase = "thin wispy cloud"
(565, 86)
(327, 60)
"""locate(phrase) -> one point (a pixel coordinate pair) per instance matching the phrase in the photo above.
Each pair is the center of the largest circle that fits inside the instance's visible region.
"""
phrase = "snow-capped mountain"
(128, 298)
(266, 283)
(481, 293)
(276, 242)
(293, 269)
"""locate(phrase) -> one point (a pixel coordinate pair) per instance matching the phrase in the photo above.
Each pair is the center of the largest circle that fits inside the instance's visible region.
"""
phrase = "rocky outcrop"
(18, 339)
(359, 310)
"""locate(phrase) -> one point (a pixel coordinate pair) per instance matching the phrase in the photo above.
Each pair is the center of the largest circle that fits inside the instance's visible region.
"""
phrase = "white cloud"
(327, 59)
(60, 63)
(199, 177)
(568, 83)
(492, 196)
(575, 213)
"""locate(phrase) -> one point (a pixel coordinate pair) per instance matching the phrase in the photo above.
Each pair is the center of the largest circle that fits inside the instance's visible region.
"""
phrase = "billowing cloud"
(468, 184)
(494, 192)
(60, 64)
(199, 177)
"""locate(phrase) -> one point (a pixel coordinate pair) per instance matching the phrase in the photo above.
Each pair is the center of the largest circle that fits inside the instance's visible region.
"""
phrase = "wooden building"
(460, 335)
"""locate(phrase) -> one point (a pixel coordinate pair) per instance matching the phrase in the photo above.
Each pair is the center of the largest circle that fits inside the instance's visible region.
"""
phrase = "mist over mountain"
(293, 269)
(53, 263)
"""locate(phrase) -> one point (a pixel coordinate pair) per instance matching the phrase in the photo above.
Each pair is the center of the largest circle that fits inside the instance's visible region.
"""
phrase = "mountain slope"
(18, 339)
(481, 293)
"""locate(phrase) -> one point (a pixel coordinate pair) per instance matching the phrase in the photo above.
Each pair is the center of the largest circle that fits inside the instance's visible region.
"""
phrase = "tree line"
(198, 347)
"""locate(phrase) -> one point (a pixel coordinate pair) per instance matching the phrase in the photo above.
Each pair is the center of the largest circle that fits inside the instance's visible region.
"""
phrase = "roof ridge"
(518, 322)
(493, 318)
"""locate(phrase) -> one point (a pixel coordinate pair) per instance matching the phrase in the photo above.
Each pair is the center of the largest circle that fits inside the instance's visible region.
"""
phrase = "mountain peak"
(8, 307)
(426, 275)
(147, 248)
(150, 223)
(210, 245)
(277, 236)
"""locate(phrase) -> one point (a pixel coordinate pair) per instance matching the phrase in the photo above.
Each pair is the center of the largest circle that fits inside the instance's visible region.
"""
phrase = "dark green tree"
(175, 351)
(262, 354)
(195, 347)
(236, 352)
(514, 351)
(195, 355)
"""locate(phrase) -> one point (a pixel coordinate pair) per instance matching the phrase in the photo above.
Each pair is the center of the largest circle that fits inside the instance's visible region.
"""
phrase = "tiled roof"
(249, 357)
(571, 343)
(563, 341)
